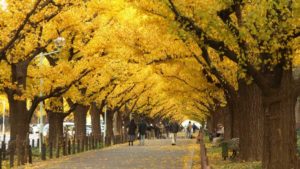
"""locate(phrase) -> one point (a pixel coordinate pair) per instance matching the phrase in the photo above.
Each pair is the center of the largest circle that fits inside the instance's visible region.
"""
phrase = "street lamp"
(59, 43)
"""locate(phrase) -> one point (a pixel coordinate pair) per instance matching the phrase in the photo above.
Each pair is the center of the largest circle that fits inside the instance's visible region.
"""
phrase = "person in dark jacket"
(167, 128)
(194, 127)
(174, 128)
(142, 132)
(131, 131)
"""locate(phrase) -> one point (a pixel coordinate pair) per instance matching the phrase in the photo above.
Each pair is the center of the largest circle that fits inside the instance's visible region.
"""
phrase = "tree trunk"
(209, 124)
(80, 114)
(297, 113)
(109, 124)
(251, 122)
(232, 117)
(19, 119)
(126, 120)
(18, 113)
(279, 145)
(56, 117)
(216, 117)
(236, 117)
(115, 123)
(55, 126)
(119, 123)
(109, 127)
(95, 117)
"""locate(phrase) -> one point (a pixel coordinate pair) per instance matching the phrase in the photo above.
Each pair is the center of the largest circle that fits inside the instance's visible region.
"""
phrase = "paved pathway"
(156, 154)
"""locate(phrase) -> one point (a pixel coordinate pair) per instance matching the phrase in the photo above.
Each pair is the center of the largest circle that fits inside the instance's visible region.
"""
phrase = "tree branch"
(19, 29)
(55, 93)
(190, 26)
(185, 82)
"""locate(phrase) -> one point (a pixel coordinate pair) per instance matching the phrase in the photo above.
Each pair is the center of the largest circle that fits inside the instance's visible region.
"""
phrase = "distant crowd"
(162, 130)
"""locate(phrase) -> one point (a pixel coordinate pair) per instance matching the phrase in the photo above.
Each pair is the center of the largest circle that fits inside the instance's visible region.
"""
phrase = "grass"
(216, 161)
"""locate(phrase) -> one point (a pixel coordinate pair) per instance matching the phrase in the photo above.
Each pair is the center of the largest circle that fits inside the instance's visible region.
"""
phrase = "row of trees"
(97, 67)
(247, 49)
(218, 60)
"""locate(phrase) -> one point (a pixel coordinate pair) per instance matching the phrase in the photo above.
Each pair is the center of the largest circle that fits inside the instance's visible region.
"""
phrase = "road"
(156, 154)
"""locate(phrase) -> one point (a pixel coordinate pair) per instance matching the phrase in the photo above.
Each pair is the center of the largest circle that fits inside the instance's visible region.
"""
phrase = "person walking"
(189, 130)
(194, 128)
(142, 132)
(174, 128)
(131, 132)
(167, 129)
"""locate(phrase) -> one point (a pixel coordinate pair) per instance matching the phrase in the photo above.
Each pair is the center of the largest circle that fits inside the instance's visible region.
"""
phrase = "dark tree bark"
(19, 116)
(231, 119)
(109, 124)
(56, 120)
(95, 117)
(251, 122)
(80, 114)
(209, 124)
(126, 120)
(19, 119)
(119, 123)
(236, 117)
(216, 117)
(279, 144)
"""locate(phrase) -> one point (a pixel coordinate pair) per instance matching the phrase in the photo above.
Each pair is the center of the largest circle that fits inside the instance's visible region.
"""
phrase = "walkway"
(156, 154)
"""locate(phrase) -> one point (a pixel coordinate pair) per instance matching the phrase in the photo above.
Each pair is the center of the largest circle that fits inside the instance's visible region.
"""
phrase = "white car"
(88, 129)
(34, 128)
(70, 126)
(66, 125)
(102, 126)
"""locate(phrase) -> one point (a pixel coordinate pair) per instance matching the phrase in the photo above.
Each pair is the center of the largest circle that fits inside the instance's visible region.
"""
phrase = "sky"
(3, 4)
(186, 122)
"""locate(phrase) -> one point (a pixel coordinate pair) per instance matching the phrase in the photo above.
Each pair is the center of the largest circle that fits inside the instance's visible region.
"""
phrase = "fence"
(19, 153)
(203, 152)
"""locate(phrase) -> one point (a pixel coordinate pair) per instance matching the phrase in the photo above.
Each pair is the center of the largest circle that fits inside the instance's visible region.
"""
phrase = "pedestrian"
(194, 127)
(189, 130)
(167, 129)
(142, 132)
(156, 131)
(161, 130)
(131, 132)
(220, 130)
(152, 131)
(174, 128)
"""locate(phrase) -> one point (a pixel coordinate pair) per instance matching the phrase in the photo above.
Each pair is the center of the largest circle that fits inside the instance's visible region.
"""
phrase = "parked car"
(67, 127)
(88, 129)
(34, 128)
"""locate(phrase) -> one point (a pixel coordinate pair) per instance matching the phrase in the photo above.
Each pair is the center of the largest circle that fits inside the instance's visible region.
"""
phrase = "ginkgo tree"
(260, 37)
(24, 37)
(161, 58)
(193, 86)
